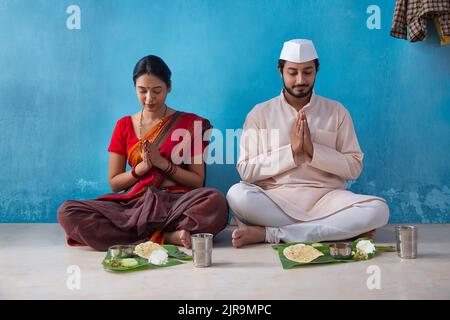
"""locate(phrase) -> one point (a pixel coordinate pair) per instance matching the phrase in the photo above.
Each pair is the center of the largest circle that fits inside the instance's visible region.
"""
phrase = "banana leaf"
(176, 257)
(378, 248)
(174, 252)
(326, 258)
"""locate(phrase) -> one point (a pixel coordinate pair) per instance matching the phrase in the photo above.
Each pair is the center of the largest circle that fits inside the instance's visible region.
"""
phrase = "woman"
(160, 200)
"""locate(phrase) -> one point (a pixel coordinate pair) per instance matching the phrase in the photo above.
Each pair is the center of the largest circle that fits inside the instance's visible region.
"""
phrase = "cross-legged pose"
(296, 152)
(156, 199)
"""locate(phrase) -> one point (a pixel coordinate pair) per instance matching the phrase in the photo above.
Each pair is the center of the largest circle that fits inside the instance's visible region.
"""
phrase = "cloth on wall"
(411, 16)
(445, 40)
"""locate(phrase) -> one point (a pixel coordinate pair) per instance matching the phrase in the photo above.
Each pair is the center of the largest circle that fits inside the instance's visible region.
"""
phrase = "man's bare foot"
(179, 238)
(248, 235)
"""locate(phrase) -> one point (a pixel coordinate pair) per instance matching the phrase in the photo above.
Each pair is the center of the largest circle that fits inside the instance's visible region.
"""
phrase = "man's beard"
(298, 95)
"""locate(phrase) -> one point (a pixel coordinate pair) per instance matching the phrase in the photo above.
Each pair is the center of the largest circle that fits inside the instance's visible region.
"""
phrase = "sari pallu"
(161, 136)
(144, 211)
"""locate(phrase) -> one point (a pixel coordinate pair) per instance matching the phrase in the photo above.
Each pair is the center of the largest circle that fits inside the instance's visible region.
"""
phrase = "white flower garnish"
(158, 257)
(365, 247)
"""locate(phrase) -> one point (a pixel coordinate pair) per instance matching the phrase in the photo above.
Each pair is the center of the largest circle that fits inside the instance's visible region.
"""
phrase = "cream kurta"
(304, 188)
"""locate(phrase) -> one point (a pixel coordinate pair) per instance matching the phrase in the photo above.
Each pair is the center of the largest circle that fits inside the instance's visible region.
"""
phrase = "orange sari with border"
(161, 136)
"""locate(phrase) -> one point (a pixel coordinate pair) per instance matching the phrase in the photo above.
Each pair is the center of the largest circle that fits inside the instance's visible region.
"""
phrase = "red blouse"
(123, 137)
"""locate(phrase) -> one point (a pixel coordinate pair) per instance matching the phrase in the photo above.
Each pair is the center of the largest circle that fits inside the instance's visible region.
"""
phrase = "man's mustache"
(301, 86)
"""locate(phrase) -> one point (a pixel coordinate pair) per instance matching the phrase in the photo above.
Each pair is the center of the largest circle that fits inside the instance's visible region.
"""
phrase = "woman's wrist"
(134, 174)
(163, 164)
(169, 169)
(140, 169)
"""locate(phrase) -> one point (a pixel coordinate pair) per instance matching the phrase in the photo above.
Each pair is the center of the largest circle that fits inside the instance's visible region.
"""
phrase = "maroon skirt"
(103, 223)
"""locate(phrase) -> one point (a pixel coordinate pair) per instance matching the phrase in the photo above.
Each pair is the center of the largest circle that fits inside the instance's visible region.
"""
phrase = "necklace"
(140, 124)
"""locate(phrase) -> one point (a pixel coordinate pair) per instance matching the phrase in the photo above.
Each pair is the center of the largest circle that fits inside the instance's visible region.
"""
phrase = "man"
(293, 178)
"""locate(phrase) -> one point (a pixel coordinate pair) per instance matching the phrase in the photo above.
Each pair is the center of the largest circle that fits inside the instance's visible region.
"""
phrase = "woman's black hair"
(152, 65)
(281, 63)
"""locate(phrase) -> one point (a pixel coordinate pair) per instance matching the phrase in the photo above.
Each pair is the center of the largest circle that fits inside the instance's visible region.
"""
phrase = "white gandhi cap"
(298, 50)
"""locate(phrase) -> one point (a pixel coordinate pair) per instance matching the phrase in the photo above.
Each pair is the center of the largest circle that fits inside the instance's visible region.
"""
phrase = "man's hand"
(308, 147)
(297, 135)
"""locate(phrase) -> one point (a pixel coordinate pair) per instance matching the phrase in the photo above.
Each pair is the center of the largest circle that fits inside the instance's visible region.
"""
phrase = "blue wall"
(61, 91)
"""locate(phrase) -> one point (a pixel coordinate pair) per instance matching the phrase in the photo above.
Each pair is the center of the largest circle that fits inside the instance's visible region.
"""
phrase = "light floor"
(34, 261)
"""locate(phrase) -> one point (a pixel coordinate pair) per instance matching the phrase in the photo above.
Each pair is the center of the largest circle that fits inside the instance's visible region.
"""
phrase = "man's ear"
(281, 73)
(169, 88)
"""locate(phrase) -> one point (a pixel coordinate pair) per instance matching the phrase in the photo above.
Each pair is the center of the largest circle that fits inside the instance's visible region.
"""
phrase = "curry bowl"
(341, 250)
(121, 251)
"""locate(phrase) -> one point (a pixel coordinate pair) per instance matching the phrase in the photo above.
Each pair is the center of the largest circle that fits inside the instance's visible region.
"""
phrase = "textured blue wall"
(61, 91)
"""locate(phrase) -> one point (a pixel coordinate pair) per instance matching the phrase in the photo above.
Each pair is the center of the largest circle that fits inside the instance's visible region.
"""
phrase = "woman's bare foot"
(369, 234)
(248, 235)
(179, 238)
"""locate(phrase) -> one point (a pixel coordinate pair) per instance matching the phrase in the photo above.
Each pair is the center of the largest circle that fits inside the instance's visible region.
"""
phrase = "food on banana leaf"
(129, 262)
(158, 257)
(145, 249)
(301, 253)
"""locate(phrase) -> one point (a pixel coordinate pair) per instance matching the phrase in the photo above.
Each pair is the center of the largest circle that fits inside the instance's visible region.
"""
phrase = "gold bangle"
(169, 166)
(134, 174)
(173, 170)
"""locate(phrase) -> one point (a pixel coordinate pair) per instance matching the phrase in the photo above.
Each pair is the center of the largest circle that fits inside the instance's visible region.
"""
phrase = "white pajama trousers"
(252, 207)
